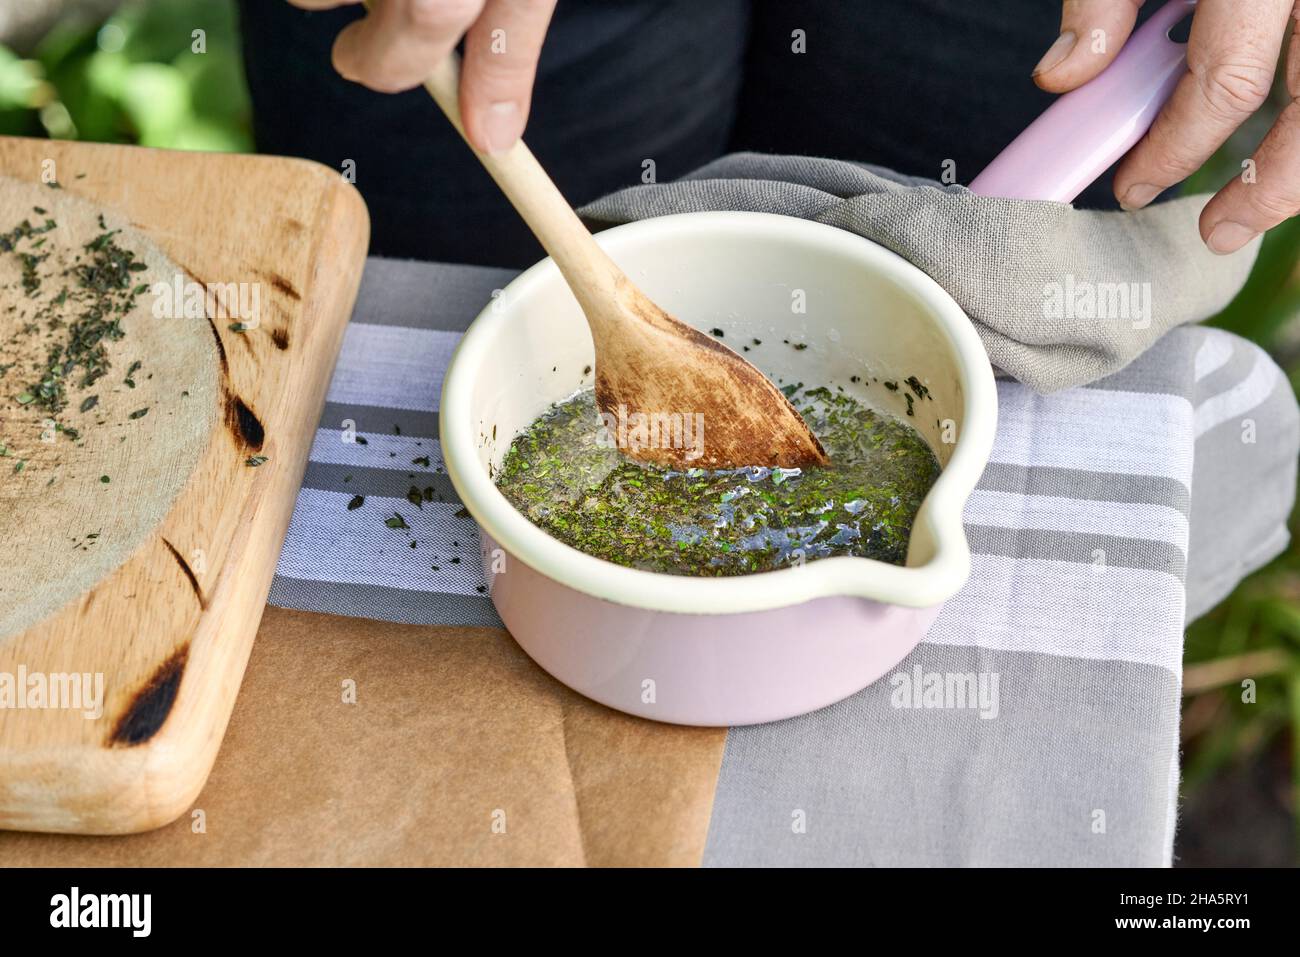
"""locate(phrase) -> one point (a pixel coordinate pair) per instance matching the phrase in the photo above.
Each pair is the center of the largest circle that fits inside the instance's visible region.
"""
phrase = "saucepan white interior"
(828, 307)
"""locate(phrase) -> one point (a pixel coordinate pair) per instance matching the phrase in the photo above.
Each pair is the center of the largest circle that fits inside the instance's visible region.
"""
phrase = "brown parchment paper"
(458, 750)
(78, 508)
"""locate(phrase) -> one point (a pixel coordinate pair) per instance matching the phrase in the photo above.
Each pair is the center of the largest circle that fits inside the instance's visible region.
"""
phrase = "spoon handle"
(535, 196)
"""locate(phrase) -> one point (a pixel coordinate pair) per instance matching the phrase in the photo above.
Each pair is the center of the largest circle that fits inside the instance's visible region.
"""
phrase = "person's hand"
(1231, 57)
(398, 43)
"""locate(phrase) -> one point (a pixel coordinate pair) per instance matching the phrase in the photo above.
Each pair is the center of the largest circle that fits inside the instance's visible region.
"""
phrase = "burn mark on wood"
(221, 347)
(189, 573)
(152, 703)
(243, 423)
(281, 338)
(216, 334)
(282, 285)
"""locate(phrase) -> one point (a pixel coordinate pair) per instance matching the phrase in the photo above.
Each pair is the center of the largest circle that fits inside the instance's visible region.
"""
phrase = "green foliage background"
(1263, 613)
(134, 78)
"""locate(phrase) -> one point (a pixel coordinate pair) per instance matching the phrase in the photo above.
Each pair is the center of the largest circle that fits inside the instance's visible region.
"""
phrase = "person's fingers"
(501, 51)
(1268, 191)
(399, 42)
(1092, 32)
(1231, 56)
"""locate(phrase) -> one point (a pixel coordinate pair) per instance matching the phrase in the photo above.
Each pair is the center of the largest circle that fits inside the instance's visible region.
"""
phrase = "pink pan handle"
(1086, 130)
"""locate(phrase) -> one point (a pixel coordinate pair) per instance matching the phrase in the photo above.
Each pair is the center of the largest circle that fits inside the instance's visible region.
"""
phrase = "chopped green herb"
(724, 522)
(253, 461)
(102, 280)
(356, 502)
(396, 521)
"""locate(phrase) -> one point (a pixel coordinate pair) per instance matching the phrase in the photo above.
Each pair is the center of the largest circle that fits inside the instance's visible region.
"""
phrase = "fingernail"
(1057, 52)
(1138, 195)
(502, 125)
(1228, 237)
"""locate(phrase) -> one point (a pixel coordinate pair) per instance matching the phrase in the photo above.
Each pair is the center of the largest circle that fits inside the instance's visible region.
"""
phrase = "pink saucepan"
(747, 649)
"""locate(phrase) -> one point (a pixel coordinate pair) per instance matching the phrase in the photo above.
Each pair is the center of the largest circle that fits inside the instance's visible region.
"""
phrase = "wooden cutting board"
(171, 628)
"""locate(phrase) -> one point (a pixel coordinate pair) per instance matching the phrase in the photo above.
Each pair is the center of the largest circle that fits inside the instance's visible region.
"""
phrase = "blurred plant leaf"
(156, 101)
(1270, 295)
(22, 84)
(135, 77)
(216, 84)
(86, 86)
(68, 38)
(156, 32)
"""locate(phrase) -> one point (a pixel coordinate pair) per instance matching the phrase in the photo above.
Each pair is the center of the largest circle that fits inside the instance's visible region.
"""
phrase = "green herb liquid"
(565, 475)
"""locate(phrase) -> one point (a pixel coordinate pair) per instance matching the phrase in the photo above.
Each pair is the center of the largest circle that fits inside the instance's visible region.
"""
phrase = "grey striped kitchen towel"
(1107, 515)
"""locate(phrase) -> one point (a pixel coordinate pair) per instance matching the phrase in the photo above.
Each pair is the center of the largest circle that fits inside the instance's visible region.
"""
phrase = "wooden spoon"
(647, 362)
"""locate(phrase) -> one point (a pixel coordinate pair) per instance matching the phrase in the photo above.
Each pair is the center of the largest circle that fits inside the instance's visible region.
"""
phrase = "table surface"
(1071, 623)
(1106, 515)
